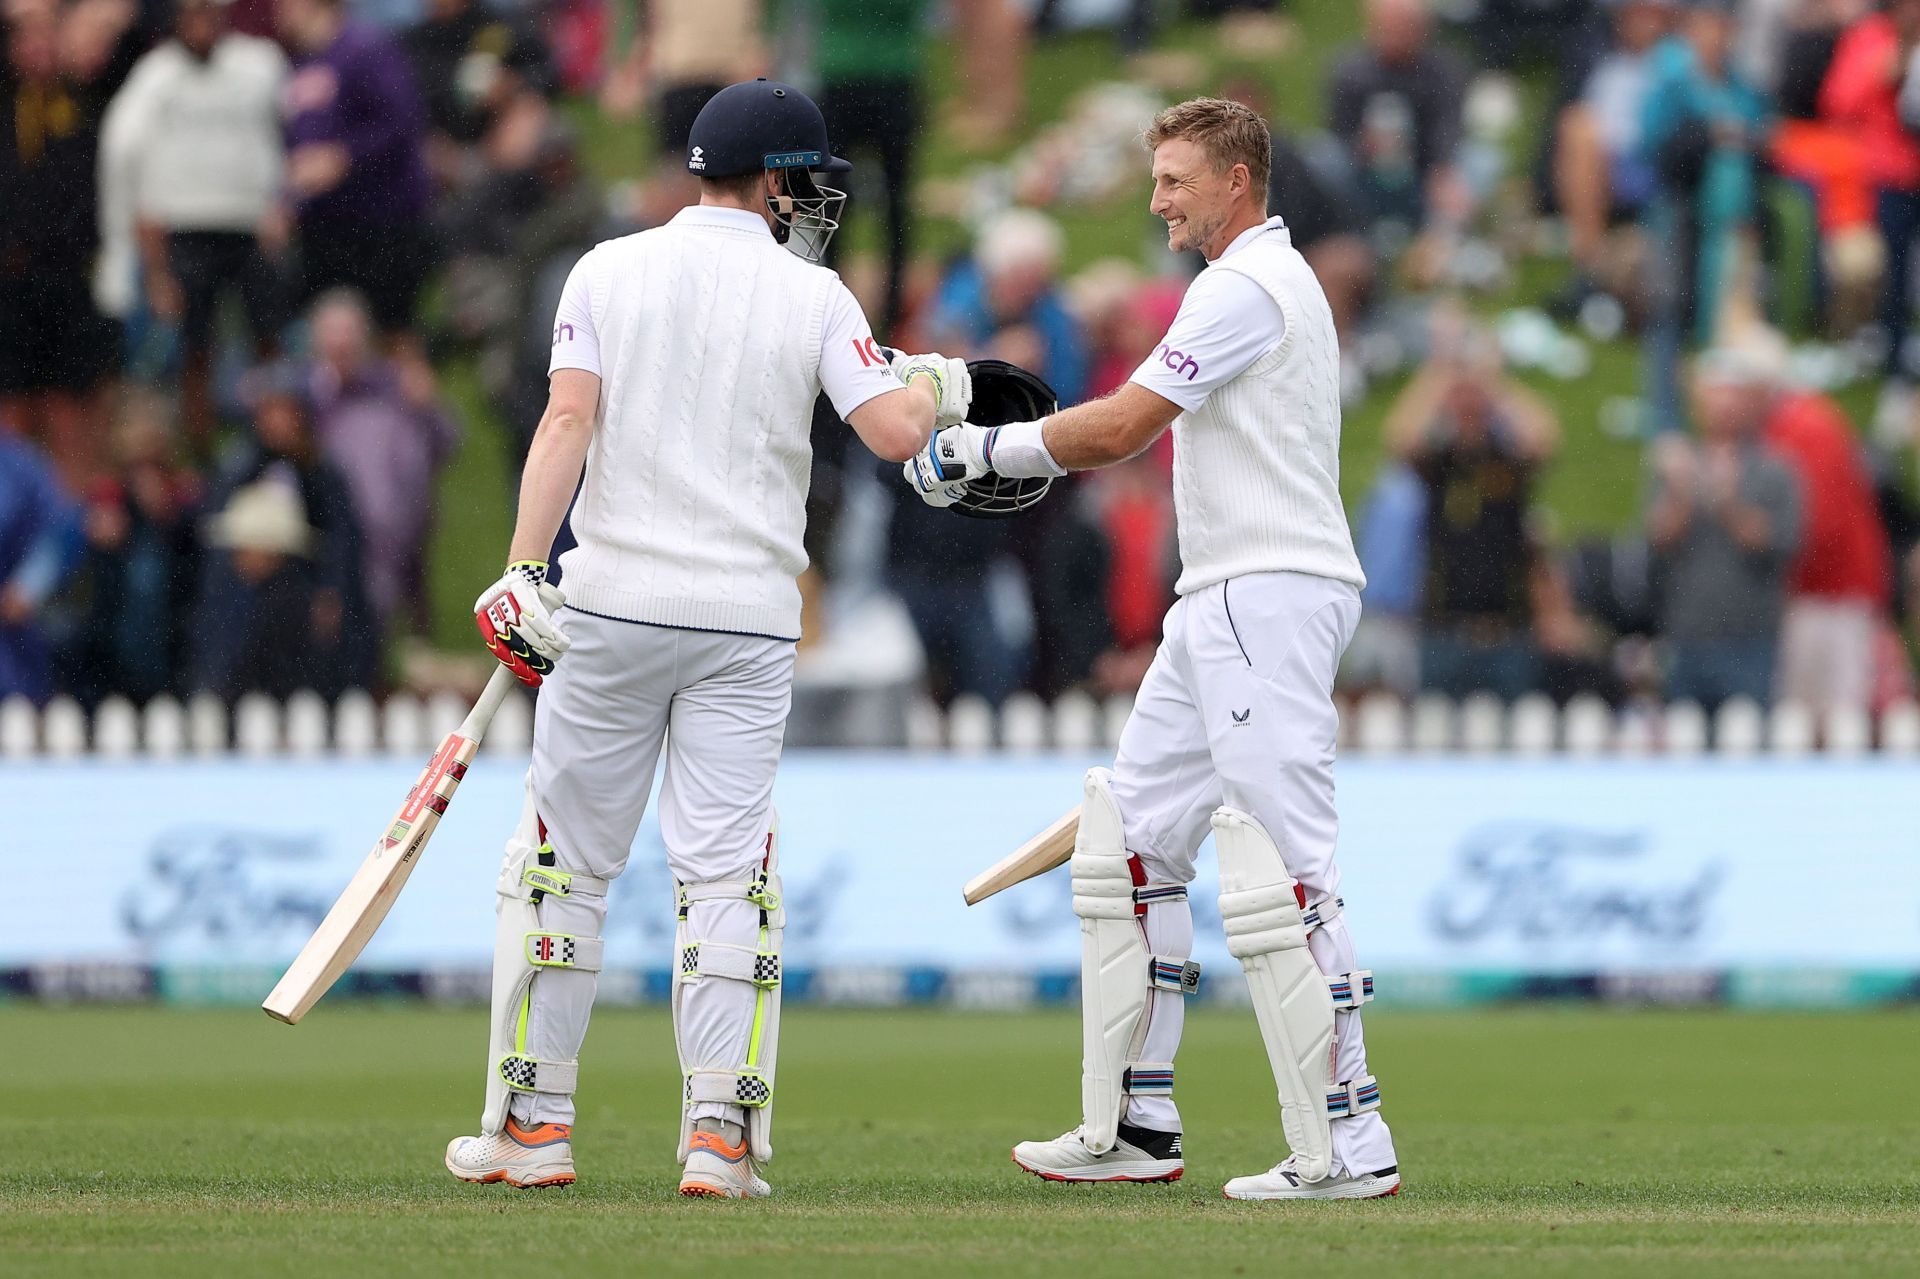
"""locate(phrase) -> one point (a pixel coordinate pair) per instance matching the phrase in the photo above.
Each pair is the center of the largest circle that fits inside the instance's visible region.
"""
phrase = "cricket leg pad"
(523, 949)
(1118, 973)
(1264, 910)
(728, 968)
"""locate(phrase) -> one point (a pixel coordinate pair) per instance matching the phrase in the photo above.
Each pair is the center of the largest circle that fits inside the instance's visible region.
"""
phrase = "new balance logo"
(1240, 718)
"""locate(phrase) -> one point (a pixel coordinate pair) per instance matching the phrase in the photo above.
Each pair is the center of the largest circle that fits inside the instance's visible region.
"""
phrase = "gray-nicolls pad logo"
(697, 158)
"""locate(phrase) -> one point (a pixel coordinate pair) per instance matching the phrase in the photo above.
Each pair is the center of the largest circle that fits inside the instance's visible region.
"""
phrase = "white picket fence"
(305, 727)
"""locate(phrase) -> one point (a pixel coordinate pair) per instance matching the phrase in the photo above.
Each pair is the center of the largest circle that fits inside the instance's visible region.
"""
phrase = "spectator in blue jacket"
(1702, 127)
(40, 546)
(1005, 302)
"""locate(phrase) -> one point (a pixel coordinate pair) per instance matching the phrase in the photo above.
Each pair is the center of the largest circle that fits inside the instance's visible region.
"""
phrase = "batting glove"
(940, 471)
(515, 617)
(952, 384)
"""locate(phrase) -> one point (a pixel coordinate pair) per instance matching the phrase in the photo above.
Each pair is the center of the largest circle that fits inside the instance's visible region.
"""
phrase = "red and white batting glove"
(515, 617)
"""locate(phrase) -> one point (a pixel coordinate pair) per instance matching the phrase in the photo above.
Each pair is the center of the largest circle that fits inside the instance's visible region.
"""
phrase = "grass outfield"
(1535, 1142)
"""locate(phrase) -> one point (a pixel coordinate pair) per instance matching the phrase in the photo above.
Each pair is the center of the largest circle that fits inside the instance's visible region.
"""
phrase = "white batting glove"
(940, 471)
(952, 384)
(515, 617)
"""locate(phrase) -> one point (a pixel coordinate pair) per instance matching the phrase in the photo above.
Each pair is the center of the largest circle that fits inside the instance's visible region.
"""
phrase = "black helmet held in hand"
(1004, 393)
(762, 125)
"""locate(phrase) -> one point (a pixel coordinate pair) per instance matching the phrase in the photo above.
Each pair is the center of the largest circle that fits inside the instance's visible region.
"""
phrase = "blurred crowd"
(237, 240)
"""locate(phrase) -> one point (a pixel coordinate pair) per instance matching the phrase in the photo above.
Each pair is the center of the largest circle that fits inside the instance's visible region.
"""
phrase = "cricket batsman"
(686, 361)
(1234, 726)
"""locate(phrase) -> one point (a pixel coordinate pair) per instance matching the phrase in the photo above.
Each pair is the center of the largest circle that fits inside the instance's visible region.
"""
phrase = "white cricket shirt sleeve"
(576, 343)
(1225, 323)
(853, 369)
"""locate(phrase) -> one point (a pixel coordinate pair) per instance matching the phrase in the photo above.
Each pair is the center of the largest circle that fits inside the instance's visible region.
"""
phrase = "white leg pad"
(1266, 931)
(522, 949)
(1113, 958)
(747, 1083)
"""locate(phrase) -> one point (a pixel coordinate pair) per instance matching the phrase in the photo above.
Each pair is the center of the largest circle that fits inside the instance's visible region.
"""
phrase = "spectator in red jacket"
(1841, 581)
(1860, 95)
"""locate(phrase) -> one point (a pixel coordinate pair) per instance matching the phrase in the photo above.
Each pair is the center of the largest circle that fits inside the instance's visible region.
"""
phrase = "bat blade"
(370, 894)
(1051, 847)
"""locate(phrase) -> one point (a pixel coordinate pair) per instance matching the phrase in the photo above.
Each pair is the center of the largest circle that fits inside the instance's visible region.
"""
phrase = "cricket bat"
(1051, 847)
(350, 925)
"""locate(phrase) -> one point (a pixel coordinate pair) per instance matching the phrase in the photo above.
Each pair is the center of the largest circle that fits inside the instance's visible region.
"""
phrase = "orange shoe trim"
(696, 1190)
(540, 1134)
(712, 1143)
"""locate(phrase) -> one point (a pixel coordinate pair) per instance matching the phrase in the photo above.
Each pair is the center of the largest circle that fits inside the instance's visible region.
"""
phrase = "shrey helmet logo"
(697, 158)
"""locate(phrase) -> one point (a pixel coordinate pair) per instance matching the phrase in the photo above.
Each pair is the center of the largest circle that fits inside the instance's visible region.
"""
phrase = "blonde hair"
(1227, 132)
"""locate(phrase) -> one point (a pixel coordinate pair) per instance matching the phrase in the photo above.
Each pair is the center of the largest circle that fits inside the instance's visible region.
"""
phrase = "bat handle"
(474, 726)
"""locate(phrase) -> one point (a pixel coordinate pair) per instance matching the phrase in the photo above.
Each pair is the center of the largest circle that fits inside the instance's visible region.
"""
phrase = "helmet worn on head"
(1004, 393)
(760, 125)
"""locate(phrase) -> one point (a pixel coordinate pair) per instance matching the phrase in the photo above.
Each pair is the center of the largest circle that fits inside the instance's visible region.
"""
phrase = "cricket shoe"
(716, 1170)
(541, 1155)
(1282, 1182)
(1138, 1154)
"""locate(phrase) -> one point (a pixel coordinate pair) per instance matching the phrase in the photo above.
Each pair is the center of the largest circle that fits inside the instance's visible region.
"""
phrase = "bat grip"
(474, 726)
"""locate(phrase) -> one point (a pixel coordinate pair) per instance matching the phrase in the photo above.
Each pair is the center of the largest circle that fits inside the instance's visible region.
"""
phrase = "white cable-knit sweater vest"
(1256, 468)
(693, 505)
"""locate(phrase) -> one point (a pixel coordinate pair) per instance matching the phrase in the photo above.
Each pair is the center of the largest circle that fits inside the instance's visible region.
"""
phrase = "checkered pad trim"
(1181, 976)
(527, 1074)
(1351, 990)
(735, 963)
(752, 1090)
(732, 1087)
(1149, 1079)
(754, 890)
(564, 950)
(1355, 1097)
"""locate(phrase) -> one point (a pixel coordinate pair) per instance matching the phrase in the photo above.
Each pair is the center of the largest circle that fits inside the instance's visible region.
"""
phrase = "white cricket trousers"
(717, 703)
(1237, 709)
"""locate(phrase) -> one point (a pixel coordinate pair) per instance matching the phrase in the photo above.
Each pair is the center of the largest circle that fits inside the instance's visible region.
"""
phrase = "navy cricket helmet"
(758, 125)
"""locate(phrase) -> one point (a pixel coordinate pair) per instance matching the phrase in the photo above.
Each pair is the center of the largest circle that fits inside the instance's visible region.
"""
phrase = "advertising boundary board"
(1760, 881)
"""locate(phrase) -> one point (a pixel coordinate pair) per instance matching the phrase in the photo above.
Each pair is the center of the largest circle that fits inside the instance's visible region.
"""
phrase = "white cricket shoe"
(1282, 1182)
(716, 1170)
(523, 1157)
(1138, 1154)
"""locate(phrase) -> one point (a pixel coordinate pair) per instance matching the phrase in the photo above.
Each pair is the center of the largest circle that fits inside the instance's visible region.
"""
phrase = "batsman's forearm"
(547, 483)
(1108, 430)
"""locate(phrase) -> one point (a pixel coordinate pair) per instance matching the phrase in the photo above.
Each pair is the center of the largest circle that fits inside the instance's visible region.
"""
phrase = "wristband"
(1018, 450)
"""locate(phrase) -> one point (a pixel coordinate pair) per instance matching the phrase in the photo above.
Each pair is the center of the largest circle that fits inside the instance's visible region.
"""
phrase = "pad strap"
(563, 883)
(744, 1087)
(1350, 990)
(754, 890)
(565, 950)
(1322, 912)
(718, 959)
(1355, 1097)
(528, 1074)
(1154, 894)
(1148, 1079)
(1181, 976)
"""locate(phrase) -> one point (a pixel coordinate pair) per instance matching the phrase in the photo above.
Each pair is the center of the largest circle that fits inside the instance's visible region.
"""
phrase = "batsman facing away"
(686, 361)
(1234, 725)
